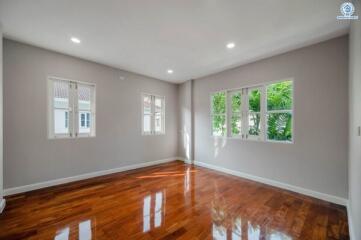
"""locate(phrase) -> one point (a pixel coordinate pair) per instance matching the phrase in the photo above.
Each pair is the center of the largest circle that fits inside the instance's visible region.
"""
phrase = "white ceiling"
(188, 36)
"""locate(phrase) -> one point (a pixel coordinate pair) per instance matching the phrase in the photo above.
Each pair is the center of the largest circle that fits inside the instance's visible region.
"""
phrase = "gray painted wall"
(318, 158)
(30, 157)
(355, 121)
(185, 141)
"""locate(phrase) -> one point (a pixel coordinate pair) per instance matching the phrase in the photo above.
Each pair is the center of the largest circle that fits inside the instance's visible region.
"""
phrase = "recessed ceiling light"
(231, 45)
(75, 40)
(170, 71)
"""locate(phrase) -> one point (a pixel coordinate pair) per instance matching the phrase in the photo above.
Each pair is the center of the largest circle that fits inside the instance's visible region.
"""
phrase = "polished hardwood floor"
(170, 201)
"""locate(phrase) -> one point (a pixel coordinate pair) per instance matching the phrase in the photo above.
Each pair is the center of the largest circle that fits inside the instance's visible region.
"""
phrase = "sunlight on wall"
(186, 143)
(219, 143)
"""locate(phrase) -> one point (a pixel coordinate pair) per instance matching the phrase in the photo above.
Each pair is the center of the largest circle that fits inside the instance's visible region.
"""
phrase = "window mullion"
(245, 111)
(153, 115)
(73, 121)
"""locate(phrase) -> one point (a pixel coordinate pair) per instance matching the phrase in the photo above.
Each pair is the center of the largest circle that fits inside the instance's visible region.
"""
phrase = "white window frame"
(262, 137)
(73, 115)
(152, 114)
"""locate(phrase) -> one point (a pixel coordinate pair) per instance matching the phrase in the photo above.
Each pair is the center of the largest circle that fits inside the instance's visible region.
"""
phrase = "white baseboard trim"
(2, 204)
(350, 222)
(34, 186)
(304, 191)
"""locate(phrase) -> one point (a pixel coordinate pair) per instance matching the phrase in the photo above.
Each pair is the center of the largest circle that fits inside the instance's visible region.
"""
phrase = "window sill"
(252, 140)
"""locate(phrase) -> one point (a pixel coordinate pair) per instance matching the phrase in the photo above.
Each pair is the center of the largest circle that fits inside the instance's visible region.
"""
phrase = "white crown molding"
(304, 191)
(2, 205)
(34, 186)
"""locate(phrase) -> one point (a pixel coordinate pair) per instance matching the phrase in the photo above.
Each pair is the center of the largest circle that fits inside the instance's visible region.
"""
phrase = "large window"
(262, 113)
(153, 114)
(71, 108)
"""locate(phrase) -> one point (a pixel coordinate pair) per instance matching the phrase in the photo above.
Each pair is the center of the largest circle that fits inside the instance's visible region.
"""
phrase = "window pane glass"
(236, 125)
(219, 125)
(254, 125)
(236, 102)
(158, 123)
(147, 104)
(219, 103)
(254, 100)
(61, 121)
(88, 120)
(84, 122)
(84, 97)
(279, 126)
(279, 96)
(158, 104)
(61, 94)
(147, 123)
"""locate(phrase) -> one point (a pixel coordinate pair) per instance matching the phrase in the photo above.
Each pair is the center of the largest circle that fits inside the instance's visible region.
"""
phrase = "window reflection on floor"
(219, 232)
(237, 229)
(254, 232)
(159, 207)
(63, 234)
(146, 213)
(85, 230)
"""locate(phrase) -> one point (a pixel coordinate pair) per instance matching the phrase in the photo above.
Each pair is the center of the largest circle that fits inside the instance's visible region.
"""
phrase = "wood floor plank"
(170, 201)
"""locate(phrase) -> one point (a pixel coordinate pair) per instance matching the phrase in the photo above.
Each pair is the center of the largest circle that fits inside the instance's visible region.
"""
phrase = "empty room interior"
(180, 119)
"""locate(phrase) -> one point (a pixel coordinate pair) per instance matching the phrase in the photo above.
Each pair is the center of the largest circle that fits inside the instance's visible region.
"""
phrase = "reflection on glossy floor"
(170, 201)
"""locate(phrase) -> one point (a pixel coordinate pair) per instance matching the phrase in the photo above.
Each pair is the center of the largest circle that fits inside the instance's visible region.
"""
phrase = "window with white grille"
(153, 111)
(71, 108)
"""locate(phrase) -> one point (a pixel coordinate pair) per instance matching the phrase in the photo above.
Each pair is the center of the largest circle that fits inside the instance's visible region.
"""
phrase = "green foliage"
(236, 125)
(279, 125)
(219, 103)
(219, 107)
(219, 125)
(254, 101)
(279, 96)
(236, 109)
(236, 102)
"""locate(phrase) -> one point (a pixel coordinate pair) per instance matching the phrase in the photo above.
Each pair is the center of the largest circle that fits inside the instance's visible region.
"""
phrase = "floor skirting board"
(304, 191)
(34, 186)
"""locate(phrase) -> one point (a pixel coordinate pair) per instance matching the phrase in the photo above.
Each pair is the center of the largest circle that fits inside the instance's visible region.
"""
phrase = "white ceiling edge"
(263, 55)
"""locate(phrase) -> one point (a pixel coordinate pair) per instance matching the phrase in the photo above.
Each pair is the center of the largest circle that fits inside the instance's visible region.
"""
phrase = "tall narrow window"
(153, 114)
(61, 102)
(218, 114)
(254, 113)
(71, 109)
(279, 111)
